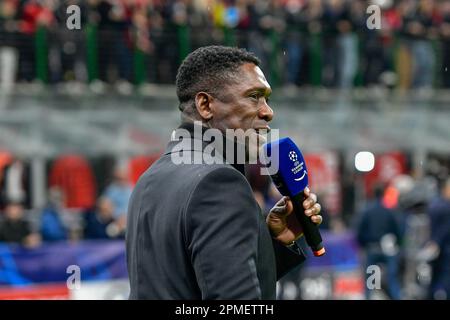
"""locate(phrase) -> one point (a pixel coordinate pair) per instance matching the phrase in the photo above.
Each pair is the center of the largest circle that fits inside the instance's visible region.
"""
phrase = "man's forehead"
(255, 76)
(261, 76)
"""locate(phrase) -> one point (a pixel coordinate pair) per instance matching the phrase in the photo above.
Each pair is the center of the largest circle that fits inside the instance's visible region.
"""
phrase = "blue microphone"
(291, 179)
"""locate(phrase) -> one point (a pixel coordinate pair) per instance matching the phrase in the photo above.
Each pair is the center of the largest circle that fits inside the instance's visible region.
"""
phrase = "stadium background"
(84, 112)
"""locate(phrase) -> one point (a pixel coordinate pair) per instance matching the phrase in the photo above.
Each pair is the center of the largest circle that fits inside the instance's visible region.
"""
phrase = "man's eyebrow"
(263, 90)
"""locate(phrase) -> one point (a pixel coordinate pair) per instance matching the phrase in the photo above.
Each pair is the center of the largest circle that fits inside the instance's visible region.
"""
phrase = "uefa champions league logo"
(298, 167)
(293, 156)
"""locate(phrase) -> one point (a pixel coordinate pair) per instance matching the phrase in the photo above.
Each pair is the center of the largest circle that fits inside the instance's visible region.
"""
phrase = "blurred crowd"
(405, 229)
(402, 226)
(300, 42)
(73, 210)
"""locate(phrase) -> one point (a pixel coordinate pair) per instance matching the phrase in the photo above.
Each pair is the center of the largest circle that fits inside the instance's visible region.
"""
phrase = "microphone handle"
(310, 229)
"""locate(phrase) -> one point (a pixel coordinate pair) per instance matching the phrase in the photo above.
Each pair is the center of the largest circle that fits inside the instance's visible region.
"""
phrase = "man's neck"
(194, 128)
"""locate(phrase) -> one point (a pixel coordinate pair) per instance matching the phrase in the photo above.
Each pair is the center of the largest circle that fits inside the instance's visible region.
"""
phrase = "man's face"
(14, 212)
(244, 105)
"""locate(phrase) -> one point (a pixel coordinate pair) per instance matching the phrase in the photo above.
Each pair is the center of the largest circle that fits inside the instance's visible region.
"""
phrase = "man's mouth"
(263, 130)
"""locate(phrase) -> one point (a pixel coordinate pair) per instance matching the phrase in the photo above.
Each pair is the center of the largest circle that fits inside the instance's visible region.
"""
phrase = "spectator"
(439, 211)
(67, 47)
(118, 193)
(445, 38)
(313, 16)
(273, 29)
(279, 31)
(100, 223)
(15, 229)
(295, 44)
(405, 10)
(334, 14)
(257, 43)
(391, 24)
(8, 53)
(15, 184)
(114, 47)
(419, 27)
(33, 14)
(74, 176)
(352, 18)
(52, 226)
(378, 233)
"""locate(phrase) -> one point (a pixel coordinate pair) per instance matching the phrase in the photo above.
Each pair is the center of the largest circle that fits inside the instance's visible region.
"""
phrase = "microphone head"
(292, 175)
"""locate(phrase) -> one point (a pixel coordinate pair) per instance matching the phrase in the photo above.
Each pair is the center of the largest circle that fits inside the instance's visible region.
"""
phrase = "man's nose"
(266, 112)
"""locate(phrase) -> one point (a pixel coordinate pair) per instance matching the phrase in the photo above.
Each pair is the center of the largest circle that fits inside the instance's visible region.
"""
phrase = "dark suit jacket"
(195, 231)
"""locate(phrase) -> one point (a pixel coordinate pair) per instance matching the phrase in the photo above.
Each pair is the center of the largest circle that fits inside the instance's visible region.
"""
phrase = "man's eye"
(254, 96)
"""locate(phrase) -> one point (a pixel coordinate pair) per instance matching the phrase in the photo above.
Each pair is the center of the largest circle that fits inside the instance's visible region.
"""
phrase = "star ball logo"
(293, 156)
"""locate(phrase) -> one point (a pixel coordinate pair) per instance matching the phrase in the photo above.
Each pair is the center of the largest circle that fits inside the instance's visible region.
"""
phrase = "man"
(378, 232)
(15, 183)
(439, 211)
(118, 193)
(195, 231)
(14, 228)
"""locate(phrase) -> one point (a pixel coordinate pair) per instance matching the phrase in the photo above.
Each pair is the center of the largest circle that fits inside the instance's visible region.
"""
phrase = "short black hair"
(208, 69)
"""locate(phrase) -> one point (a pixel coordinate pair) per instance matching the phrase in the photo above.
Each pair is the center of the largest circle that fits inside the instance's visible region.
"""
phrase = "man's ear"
(203, 102)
